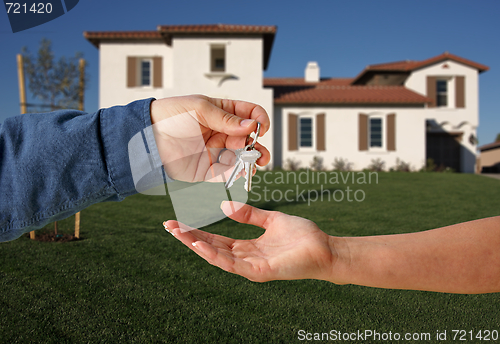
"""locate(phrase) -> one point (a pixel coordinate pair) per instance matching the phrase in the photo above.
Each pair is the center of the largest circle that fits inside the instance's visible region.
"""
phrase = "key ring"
(254, 139)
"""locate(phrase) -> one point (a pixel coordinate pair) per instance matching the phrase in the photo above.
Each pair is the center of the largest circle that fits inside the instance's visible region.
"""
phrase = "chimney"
(312, 72)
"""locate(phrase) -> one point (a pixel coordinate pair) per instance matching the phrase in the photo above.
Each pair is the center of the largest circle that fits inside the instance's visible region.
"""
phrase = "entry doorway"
(444, 149)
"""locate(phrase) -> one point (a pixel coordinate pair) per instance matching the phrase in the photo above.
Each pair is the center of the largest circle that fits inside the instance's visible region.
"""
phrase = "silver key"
(245, 158)
(249, 157)
(238, 166)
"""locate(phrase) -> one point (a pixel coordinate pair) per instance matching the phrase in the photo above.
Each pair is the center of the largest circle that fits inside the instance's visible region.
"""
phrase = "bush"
(430, 166)
(401, 166)
(292, 164)
(340, 164)
(317, 163)
(377, 165)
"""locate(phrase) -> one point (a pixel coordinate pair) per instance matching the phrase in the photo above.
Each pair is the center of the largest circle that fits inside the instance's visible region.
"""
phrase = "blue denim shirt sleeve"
(53, 165)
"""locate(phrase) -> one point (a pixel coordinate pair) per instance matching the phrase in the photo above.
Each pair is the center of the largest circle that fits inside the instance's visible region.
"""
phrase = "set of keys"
(245, 159)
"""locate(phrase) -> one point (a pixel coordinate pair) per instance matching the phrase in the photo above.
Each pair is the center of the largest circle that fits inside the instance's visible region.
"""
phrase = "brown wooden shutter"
(320, 132)
(459, 92)
(131, 71)
(391, 132)
(431, 90)
(157, 72)
(292, 132)
(363, 132)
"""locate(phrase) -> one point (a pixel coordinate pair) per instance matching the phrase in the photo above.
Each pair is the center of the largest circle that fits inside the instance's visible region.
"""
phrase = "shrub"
(401, 166)
(340, 164)
(377, 165)
(317, 163)
(430, 166)
(292, 164)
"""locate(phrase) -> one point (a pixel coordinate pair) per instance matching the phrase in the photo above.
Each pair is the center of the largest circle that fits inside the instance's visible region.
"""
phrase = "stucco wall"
(465, 120)
(490, 158)
(342, 133)
(186, 70)
(113, 88)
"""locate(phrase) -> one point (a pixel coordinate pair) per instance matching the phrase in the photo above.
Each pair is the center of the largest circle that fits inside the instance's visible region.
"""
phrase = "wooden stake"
(22, 85)
(22, 99)
(81, 93)
(81, 89)
(77, 225)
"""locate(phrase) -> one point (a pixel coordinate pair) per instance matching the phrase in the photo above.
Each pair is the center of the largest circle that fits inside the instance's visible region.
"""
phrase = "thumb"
(245, 213)
(225, 122)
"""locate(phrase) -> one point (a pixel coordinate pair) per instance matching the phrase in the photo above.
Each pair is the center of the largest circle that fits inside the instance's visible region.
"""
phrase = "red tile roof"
(95, 37)
(270, 82)
(489, 146)
(166, 32)
(327, 92)
(217, 28)
(409, 65)
(346, 91)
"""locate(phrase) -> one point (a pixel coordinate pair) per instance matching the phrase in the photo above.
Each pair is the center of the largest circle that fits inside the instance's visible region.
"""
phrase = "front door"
(444, 149)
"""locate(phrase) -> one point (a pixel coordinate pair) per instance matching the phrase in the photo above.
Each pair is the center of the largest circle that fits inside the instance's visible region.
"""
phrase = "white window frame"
(384, 133)
(151, 72)
(313, 133)
(450, 91)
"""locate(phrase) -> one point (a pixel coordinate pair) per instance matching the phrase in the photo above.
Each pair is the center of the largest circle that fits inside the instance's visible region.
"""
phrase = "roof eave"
(268, 38)
(96, 38)
(359, 104)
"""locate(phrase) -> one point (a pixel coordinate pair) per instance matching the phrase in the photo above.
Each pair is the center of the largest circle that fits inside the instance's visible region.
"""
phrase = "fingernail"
(222, 203)
(166, 227)
(194, 244)
(247, 122)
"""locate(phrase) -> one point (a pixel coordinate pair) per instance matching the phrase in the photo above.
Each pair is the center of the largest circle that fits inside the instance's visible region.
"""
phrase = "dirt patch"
(52, 237)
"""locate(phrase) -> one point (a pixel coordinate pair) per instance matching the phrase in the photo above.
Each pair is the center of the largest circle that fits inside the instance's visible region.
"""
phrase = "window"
(218, 58)
(375, 133)
(145, 70)
(442, 93)
(306, 132)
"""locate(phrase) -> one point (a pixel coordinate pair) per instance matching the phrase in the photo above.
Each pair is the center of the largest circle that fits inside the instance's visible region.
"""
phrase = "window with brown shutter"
(144, 71)
(320, 132)
(131, 71)
(391, 132)
(431, 90)
(363, 132)
(292, 132)
(157, 72)
(459, 92)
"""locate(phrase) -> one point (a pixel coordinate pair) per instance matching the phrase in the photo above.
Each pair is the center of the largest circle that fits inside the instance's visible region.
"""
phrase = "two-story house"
(408, 111)
(224, 61)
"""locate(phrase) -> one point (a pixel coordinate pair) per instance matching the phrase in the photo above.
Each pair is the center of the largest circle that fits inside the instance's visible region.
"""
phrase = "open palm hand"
(291, 247)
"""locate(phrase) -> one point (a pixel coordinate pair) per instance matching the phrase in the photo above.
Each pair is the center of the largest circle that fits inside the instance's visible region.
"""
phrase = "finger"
(239, 142)
(234, 117)
(195, 235)
(218, 173)
(219, 252)
(245, 213)
(215, 249)
(227, 157)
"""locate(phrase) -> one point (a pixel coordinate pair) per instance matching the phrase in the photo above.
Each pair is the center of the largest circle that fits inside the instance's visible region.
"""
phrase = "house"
(489, 161)
(224, 61)
(401, 111)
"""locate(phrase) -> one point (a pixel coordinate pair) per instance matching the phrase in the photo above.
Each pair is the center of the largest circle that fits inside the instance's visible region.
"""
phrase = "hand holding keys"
(245, 159)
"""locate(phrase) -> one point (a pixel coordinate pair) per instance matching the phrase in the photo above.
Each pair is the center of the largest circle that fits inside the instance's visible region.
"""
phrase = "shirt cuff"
(129, 147)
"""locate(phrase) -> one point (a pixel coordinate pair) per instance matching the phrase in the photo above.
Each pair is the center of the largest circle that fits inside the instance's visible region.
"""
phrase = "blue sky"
(343, 36)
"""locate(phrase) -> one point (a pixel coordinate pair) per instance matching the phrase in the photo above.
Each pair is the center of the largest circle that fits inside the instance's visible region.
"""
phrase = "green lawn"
(129, 281)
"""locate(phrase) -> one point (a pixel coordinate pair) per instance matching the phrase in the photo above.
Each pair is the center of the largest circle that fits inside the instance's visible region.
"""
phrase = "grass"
(129, 281)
